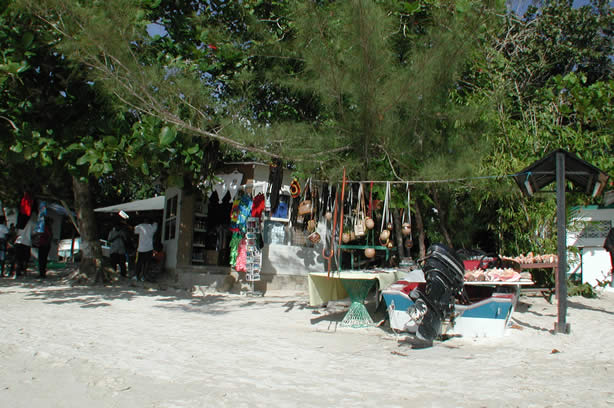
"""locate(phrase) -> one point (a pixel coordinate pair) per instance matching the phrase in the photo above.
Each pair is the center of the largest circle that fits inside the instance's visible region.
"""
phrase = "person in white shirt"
(146, 232)
(23, 244)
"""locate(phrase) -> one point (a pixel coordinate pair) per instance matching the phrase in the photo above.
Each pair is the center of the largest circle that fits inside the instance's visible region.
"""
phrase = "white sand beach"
(125, 346)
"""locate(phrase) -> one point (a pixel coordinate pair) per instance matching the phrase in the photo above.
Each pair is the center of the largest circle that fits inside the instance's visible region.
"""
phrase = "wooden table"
(545, 292)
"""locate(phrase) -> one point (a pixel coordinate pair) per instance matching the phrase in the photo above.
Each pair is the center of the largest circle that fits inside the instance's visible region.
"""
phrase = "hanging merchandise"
(229, 184)
(406, 226)
(25, 209)
(409, 241)
(360, 229)
(329, 214)
(385, 233)
(314, 237)
(295, 189)
(369, 222)
(245, 210)
(349, 234)
(26, 204)
(258, 205)
(234, 248)
(329, 256)
(281, 211)
(253, 263)
(276, 175)
(370, 252)
(240, 265)
(340, 203)
(305, 207)
(312, 224)
(234, 215)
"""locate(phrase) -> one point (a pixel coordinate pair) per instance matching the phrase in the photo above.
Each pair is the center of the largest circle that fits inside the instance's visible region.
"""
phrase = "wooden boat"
(487, 310)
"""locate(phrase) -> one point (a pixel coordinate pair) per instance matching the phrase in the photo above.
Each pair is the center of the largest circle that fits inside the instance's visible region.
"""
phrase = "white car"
(65, 244)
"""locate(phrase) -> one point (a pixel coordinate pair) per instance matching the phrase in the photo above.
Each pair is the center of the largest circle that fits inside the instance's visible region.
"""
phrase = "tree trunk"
(421, 233)
(397, 233)
(442, 218)
(90, 265)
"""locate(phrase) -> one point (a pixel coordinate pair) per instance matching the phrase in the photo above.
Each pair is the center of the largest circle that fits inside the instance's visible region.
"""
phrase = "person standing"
(23, 244)
(117, 239)
(44, 244)
(4, 235)
(146, 232)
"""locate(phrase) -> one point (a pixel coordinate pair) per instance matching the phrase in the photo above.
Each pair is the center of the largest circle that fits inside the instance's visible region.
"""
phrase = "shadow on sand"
(55, 289)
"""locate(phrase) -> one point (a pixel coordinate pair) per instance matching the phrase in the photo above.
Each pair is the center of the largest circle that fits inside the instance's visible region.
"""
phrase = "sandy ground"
(125, 346)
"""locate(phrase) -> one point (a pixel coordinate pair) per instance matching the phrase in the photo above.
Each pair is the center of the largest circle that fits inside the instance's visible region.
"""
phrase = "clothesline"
(427, 181)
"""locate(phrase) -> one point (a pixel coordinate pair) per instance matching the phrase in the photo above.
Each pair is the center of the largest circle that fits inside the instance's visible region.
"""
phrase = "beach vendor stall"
(361, 254)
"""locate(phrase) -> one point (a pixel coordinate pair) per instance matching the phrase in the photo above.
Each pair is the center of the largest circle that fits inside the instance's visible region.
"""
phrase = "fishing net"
(357, 315)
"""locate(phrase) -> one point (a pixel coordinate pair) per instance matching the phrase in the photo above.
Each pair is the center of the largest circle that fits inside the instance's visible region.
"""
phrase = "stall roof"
(583, 175)
(149, 204)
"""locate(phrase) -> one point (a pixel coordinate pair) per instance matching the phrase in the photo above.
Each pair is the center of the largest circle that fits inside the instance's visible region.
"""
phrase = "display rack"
(199, 253)
(253, 263)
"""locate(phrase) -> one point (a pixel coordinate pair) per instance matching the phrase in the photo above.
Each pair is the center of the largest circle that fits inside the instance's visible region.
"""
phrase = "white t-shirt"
(146, 234)
(4, 231)
(24, 236)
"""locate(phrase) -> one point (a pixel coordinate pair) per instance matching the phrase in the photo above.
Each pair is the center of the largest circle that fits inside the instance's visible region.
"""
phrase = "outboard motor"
(444, 274)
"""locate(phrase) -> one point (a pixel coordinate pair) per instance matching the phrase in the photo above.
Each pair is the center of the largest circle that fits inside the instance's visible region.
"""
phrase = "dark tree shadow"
(576, 305)
(55, 290)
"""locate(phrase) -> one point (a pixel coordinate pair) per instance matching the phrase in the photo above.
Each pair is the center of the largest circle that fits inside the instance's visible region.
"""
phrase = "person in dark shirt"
(44, 244)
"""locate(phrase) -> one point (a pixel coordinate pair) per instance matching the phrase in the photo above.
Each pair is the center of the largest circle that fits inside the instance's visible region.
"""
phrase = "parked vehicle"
(65, 244)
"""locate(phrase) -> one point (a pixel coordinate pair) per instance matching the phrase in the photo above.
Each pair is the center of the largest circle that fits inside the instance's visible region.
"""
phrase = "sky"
(520, 6)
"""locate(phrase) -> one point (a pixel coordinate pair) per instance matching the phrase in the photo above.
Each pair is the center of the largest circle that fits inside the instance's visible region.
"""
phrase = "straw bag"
(360, 227)
(311, 225)
(305, 207)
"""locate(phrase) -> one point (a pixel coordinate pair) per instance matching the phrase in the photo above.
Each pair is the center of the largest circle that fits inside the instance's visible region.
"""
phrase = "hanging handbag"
(360, 228)
(305, 207)
(311, 225)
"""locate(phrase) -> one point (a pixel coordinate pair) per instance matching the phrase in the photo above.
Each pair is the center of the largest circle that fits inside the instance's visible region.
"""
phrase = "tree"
(58, 126)
(382, 75)
(549, 76)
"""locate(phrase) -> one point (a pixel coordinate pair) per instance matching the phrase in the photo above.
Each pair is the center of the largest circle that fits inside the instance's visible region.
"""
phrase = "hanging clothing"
(241, 210)
(234, 248)
(234, 215)
(276, 175)
(258, 205)
(230, 184)
(26, 204)
(241, 264)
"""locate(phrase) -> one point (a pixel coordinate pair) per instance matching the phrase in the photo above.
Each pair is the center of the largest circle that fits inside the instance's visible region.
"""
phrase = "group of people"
(16, 245)
(120, 243)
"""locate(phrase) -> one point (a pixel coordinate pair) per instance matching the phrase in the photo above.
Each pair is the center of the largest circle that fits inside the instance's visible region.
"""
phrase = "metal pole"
(561, 285)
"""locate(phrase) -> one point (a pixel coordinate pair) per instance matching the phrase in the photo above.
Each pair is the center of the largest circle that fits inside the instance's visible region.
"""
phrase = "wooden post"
(561, 325)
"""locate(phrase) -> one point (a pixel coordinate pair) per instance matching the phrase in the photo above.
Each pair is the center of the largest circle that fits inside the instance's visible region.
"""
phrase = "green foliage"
(381, 92)
(549, 79)
(580, 289)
